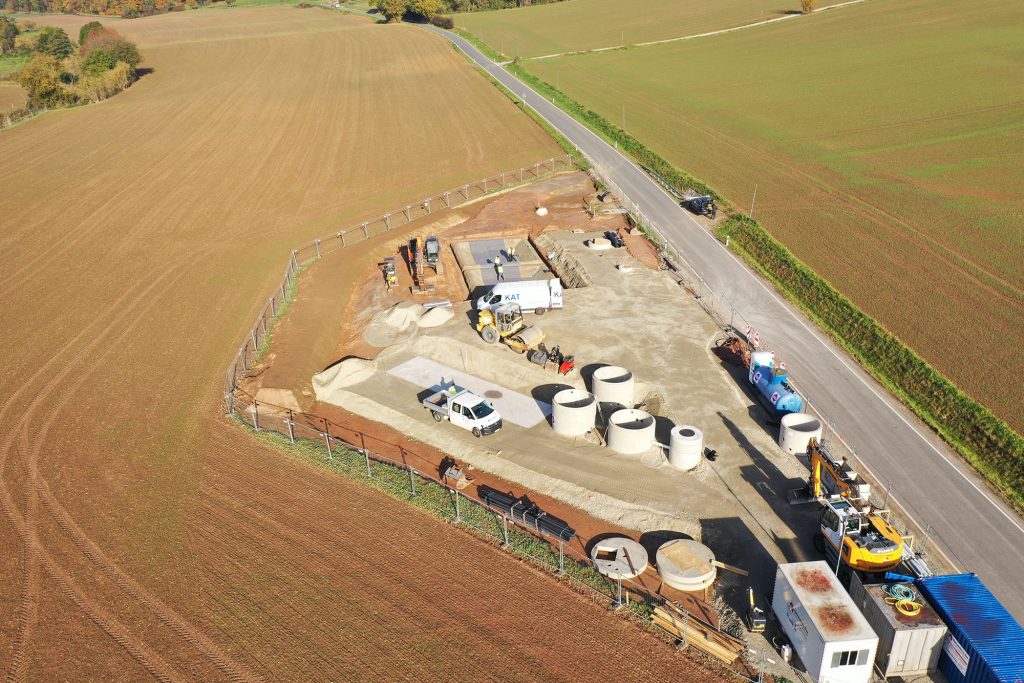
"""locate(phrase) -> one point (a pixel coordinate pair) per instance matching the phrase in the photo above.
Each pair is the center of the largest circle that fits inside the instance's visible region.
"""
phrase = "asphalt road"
(977, 531)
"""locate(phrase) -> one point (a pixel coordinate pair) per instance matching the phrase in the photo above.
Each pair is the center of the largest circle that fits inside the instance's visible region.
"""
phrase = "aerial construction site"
(533, 351)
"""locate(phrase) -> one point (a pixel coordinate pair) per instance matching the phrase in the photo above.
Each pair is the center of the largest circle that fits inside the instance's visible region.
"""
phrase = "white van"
(531, 295)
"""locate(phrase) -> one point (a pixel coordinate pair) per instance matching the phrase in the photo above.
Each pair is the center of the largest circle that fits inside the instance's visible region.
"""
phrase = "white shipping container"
(907, 645)
(829, 634)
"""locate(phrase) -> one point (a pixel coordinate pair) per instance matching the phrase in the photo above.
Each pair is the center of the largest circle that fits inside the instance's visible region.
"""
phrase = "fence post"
(245, 360)
(263, 323)
(426, 204)
(273, 308)
(458, 509)
(618, 594)
(387, 221)
(448, 199)
(341, 238)
(552, 164)
(255, 416)
(503, 179)
(408, 216)
(366, 230)
(536, 170)
(520, 174)
(561, 556)
(295, 263)
(366, 455)
(504, 533)
(291, 428)
(485, 185)
(284, 296)
(465, 191)
(412, 481)
(318, 249)
(327, 442)
(255, 346)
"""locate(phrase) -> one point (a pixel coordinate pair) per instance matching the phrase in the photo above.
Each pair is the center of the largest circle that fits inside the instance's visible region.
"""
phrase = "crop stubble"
(149, 537)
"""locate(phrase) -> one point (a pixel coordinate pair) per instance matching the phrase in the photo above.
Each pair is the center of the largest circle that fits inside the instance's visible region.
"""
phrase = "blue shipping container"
(985, 643)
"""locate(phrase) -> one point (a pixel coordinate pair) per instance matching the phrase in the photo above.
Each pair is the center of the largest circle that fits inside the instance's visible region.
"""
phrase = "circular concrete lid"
(619, 557)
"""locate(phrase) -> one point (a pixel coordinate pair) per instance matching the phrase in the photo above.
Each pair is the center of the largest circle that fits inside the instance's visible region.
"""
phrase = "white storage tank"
(685, 447)
(630, 431)
(612, 384)
(686, 565)
(573, 412)
(909, 644)
(797, 430)
(829, 634)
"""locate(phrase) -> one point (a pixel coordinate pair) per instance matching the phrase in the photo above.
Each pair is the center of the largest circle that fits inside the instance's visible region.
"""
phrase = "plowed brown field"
(142, 534)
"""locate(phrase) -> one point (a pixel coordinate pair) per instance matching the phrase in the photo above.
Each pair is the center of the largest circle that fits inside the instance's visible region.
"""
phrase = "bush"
(83, 33)
(104, 48)
(808, 5)
(43, 79)
(8, 35)
(442, 21)
(97, 87)
(54, 42)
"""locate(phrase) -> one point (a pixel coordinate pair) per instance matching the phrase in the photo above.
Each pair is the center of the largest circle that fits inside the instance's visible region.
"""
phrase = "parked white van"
(531, 295)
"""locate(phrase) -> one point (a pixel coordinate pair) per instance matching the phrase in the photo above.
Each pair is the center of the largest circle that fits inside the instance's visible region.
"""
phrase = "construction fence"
(255, 344)
(421, 482)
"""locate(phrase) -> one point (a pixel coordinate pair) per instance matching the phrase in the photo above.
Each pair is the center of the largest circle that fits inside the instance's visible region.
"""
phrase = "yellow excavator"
(850, 530)
(505, 323)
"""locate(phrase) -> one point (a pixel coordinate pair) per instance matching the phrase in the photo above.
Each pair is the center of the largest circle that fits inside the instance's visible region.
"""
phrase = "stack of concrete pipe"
(630, 431)
(685, 447)
(797, 430)
(573, 412)
(612, 384)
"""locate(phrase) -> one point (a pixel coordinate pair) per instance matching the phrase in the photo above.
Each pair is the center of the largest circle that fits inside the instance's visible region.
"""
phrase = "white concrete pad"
(514, 407)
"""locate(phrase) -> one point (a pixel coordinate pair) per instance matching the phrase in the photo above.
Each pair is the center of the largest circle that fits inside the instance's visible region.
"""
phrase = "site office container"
(829, 634)
(985, 644)
(907, 645)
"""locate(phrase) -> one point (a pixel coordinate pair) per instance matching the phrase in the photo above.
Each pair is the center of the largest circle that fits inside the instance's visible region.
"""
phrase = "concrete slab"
(514, 407)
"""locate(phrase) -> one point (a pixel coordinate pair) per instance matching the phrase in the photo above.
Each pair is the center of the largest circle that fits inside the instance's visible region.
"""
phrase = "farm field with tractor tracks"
(897, 179)
(146, 534)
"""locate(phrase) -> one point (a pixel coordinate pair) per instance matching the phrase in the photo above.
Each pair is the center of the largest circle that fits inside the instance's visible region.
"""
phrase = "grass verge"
(981, 438)
(281, 308)
(985, 441)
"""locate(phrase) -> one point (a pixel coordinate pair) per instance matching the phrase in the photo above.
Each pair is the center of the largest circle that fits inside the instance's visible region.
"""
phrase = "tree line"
(60, 73)
(118, 8)
(394, 10)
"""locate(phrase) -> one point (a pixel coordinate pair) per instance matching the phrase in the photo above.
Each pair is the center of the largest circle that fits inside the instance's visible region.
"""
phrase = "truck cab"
(463, 409)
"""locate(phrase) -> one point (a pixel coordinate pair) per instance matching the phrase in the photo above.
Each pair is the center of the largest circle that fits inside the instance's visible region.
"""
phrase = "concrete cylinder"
(612, 384)
(630, 431)
(686, 565)
(573, 412)
(796, 430)
(685, 447)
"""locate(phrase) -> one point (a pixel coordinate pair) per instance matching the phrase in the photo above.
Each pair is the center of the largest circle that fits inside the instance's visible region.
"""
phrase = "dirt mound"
(435, 317)
(394, 324)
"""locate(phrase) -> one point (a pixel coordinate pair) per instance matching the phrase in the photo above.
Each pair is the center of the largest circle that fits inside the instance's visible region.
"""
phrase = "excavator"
(850, 529)
(505, 323)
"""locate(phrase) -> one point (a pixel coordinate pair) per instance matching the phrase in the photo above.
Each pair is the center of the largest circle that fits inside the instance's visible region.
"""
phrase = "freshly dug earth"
(901, 188)
(144, 534)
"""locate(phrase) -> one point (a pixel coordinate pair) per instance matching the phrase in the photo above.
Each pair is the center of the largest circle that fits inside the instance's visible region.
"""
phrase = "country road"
(976, 530)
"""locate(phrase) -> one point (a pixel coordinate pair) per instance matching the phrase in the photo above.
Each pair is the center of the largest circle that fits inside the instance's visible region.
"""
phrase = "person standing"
(512, 253)
(500, 269)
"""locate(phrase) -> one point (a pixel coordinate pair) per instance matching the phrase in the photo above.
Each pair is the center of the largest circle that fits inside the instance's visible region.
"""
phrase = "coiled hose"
(903, 598)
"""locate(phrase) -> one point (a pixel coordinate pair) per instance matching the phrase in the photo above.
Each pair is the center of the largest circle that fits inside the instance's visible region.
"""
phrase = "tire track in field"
(166, 615)
(159, 175)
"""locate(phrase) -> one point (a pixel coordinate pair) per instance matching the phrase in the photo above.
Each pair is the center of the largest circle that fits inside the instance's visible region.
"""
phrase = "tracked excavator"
(850, 530)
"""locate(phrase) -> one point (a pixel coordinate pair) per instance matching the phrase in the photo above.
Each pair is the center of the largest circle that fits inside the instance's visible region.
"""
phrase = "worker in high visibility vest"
(500, 269)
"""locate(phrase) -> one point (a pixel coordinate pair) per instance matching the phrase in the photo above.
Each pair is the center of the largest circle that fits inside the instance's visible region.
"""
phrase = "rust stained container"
(985, 643)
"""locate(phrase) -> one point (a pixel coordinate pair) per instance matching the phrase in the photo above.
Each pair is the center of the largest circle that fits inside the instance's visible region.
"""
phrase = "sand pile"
(435, 317)
(344, 374)
(394, 324)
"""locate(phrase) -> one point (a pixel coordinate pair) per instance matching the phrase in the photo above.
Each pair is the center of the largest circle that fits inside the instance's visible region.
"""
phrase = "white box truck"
(531, 295)
(829, 634)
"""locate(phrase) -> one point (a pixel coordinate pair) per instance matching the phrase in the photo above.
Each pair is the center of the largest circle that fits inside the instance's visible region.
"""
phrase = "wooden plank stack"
(694, 632)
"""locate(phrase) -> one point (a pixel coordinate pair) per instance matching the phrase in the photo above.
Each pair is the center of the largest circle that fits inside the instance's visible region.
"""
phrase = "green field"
(885, 141)
(587, 24)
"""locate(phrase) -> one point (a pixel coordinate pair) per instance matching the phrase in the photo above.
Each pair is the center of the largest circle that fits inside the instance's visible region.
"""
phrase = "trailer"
(829, 634)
